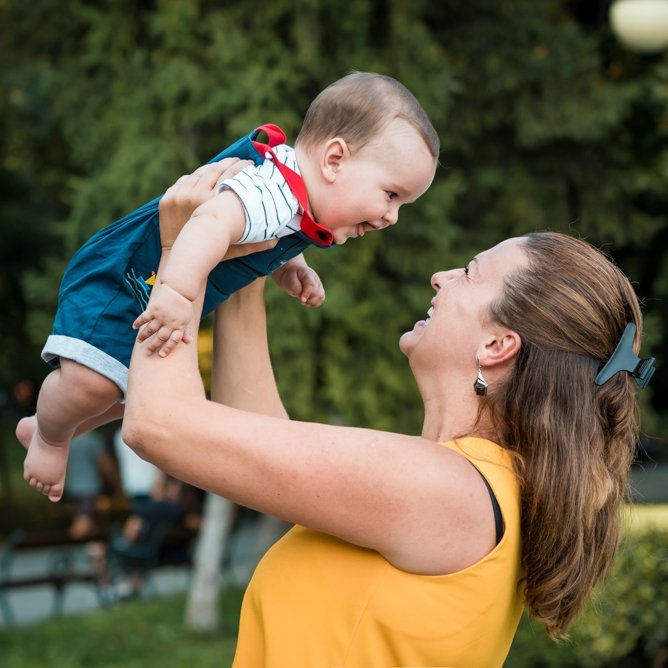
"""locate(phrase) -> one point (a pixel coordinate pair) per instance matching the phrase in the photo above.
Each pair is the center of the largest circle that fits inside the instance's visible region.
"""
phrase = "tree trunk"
(202, 610)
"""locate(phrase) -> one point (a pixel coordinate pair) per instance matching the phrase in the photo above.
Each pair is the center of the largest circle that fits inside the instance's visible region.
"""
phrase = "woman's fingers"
(239, 250)
(210, 175)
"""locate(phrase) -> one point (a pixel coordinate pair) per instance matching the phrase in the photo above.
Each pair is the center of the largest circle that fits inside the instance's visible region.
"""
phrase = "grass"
(132, 635)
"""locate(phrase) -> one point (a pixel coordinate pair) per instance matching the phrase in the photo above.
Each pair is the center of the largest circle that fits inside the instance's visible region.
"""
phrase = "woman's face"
(459, 310)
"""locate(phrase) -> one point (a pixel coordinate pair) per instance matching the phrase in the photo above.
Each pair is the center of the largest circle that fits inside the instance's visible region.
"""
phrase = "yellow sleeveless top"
(318, 602)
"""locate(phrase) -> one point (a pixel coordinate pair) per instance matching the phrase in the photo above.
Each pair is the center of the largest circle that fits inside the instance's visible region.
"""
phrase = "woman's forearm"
(243, 376)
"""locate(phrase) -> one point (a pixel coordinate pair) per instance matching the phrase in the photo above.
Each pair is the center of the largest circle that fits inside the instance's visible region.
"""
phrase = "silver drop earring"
(480, 385)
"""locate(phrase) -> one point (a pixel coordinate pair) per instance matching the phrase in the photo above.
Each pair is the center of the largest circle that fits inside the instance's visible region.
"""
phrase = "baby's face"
(393, 169)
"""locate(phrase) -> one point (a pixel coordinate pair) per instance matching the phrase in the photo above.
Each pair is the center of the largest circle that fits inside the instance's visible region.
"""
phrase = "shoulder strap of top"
(498, 519)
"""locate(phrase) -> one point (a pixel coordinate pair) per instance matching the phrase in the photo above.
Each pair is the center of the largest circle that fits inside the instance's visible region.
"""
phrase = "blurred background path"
(35, 604)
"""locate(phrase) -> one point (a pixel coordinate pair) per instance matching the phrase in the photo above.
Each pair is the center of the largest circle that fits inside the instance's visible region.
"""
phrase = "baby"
(365, 148)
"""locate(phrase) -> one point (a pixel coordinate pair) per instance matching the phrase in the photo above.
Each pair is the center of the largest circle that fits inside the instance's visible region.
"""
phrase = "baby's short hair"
(358, 106)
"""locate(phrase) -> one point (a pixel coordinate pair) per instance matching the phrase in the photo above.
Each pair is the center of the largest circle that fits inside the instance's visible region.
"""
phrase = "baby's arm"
(199, 247)
(300, 281)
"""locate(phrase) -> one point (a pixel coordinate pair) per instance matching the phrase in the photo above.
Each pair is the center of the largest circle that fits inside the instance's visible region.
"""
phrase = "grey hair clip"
(624, 359)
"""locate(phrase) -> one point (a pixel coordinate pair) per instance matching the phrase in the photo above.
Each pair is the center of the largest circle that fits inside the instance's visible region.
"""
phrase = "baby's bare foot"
(45, 464)
(25, 429)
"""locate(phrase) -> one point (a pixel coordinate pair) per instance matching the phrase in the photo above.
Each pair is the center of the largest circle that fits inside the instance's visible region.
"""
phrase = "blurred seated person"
(159, 531)
(91, 471)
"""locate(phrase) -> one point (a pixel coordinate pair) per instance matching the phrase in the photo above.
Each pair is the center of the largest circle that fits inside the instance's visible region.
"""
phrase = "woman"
(422, 550)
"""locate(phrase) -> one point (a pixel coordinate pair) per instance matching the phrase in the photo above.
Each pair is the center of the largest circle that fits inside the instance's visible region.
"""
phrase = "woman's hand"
(191, 190)
(181, 199)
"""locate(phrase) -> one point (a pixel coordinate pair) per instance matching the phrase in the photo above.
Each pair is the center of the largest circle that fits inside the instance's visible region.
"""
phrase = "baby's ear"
(335, 151)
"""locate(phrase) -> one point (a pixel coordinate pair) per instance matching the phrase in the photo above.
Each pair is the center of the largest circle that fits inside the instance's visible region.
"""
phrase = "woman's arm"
(384, 491)
(419, 504)
(243, 376)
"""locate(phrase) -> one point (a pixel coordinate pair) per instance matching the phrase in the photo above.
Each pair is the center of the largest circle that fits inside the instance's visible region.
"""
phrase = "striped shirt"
(271, 209)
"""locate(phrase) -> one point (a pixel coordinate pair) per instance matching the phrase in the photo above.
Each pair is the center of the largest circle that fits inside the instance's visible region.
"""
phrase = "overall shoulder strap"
(318, 234)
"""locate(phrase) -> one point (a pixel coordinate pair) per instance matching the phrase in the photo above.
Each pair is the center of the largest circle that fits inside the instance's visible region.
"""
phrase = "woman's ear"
(334, 153)
(501, 345)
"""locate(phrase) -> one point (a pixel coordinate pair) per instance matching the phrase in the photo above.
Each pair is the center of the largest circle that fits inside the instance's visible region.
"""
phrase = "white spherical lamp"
(641, 25)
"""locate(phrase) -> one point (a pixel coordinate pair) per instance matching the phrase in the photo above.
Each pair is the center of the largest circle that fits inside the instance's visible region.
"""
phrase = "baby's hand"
(164, 321)
(301, 282)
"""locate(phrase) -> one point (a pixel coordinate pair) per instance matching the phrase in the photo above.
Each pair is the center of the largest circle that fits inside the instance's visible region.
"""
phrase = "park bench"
(66, 563)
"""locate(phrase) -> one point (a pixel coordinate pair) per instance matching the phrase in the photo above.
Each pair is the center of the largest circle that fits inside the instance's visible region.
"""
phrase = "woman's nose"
(440, 278)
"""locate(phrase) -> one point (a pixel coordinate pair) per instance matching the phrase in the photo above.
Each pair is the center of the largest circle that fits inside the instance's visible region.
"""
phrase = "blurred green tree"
(546, 122)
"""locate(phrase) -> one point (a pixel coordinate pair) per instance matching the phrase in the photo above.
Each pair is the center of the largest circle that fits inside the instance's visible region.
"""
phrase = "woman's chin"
(408, 340)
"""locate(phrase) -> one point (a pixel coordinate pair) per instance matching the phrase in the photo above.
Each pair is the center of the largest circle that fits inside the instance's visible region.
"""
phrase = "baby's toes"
(54, 493)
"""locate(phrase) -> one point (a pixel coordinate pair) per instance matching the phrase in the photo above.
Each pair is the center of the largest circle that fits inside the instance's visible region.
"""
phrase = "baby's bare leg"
(27, 425)
(114, 413)
(70, 396)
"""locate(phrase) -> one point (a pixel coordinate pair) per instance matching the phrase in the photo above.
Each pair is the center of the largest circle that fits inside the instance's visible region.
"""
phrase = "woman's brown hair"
(574, 440)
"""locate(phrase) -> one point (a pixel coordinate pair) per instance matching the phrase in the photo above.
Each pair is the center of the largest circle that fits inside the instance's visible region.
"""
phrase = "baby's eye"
(390, 194)
(466, 269)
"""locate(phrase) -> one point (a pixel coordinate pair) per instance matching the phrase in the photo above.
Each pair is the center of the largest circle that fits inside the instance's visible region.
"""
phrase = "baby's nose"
(391, 217)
